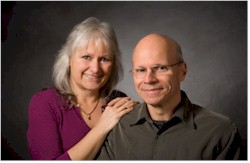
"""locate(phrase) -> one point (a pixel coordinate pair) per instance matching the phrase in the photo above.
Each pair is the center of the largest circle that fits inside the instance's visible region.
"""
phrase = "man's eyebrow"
(154, 65)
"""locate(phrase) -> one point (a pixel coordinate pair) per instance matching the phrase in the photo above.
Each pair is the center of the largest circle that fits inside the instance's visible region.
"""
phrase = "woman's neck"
(83, 95)
(87, 97)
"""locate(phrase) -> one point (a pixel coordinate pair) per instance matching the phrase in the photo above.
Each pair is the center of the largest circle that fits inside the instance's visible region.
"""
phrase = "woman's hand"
(114, 111)
(91, 143)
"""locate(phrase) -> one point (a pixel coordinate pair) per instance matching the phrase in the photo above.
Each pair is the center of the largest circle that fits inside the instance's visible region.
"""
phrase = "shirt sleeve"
(43, 133)
(106, 152)
(232, 148)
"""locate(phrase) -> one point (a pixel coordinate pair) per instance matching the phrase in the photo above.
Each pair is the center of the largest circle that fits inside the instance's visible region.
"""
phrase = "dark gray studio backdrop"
(213, 36)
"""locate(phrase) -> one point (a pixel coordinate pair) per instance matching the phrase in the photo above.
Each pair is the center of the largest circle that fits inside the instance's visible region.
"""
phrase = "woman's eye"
(86, 57)
(104, 59)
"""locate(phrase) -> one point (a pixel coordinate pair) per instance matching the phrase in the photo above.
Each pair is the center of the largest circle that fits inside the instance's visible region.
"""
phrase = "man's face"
(155, 84)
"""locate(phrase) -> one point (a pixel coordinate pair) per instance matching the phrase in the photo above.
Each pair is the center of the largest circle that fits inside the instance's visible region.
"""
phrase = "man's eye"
(139, 70)
(86, 57)
(162, 67)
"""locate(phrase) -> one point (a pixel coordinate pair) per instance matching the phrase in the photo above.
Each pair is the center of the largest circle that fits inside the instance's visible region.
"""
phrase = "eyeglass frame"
(155, 68)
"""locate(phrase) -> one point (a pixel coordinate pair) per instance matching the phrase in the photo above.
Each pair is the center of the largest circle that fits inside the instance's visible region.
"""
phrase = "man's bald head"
(161, 43)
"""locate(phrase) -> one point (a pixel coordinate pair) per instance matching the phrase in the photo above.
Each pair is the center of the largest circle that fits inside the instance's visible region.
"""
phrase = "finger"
(126, 105)
(132, 103)
(114, 101)
(125, 111)
(121, 102)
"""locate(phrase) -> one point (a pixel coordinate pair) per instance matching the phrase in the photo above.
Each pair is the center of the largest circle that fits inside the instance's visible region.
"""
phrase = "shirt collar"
(184, 111)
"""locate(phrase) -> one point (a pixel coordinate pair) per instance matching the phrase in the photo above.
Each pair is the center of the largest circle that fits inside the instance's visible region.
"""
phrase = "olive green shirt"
(193, 133)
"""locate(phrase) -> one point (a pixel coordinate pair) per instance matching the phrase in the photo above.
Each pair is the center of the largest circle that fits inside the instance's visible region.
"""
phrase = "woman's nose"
(94, 66)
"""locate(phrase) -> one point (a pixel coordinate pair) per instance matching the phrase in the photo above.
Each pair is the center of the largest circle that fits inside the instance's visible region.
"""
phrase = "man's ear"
(183, 71)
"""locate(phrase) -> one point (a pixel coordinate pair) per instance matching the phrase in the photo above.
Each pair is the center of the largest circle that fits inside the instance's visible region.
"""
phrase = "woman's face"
(90, 68)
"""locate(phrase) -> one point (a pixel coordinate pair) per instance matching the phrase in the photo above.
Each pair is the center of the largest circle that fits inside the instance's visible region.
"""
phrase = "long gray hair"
(90, 30)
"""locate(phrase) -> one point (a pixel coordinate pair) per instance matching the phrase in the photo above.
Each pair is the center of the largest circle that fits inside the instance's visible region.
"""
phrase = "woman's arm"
(88, 147)
(44, 136)
(43, 133)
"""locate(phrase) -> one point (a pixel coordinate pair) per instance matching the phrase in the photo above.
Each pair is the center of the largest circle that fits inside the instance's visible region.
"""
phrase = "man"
(168, 126)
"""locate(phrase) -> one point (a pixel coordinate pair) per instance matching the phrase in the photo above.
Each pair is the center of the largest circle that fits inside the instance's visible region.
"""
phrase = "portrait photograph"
(209, 36)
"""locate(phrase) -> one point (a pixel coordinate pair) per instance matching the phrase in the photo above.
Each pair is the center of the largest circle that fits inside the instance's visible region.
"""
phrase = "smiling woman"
(72, 120)
(90, 67)
(88, 37)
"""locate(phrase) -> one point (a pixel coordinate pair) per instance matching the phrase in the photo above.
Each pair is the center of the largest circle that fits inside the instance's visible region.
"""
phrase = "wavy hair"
(90, 30)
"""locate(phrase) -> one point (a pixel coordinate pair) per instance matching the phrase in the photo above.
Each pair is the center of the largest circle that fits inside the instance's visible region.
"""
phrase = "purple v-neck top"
(53, 128)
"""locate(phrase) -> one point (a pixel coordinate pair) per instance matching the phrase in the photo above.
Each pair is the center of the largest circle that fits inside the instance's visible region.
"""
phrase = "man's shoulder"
(131, 117)
(208, 117)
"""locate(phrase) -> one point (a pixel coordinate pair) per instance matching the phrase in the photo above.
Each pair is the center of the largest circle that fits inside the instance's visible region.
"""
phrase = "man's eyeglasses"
(156, 70)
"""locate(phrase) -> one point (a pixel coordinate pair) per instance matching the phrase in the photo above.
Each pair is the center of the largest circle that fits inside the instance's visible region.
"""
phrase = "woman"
(69, 121)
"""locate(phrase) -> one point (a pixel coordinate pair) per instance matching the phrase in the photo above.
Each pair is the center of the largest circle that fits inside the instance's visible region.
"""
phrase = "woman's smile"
(93, 76)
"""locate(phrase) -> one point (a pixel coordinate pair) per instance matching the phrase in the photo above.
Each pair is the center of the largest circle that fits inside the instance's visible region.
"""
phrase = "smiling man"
(167, 126)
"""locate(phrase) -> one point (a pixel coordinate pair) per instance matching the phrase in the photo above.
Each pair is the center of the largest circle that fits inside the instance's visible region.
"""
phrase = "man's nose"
(149, 77)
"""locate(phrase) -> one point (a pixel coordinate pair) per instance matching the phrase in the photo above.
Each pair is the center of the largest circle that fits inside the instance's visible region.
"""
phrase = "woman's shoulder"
(49, 95)
(45, 102)
(117, 93)
(114, 94)
(46, 92)
(45, 105)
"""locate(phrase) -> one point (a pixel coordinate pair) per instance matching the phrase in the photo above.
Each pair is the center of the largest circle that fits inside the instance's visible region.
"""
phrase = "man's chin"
(152, 101)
